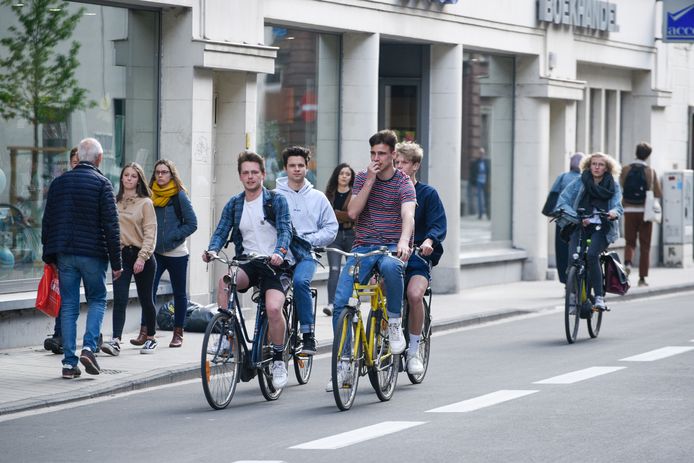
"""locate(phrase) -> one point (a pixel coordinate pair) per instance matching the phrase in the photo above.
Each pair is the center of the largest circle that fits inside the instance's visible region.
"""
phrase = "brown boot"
(141, 338)
(177, 340)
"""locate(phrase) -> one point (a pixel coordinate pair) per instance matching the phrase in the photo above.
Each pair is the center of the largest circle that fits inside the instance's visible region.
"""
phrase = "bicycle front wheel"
(572, 304)
(303, 364)
(346, 360)
(220, 361)
(383, 372)
(424, 345)
(594, 322)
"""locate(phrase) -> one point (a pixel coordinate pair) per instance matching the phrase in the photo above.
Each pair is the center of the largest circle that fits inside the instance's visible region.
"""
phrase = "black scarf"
(596, 195)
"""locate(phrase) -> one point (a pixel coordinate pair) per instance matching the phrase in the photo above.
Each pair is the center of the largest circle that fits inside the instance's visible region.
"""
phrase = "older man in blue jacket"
(80, 235)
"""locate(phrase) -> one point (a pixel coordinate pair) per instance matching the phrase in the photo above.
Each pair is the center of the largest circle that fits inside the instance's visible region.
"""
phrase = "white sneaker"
(599, 303)
(395, 336)
(342, 376)
(279, 374)
(223, 348)
(329, 386)
(414, 365)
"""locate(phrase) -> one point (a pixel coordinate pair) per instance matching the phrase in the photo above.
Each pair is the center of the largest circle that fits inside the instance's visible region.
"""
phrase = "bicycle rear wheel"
(220, 361)
(594, 322)
(346, 360)
(424, 345)
(383, 373)
(269, 391)
(303, 364)
(572, 304)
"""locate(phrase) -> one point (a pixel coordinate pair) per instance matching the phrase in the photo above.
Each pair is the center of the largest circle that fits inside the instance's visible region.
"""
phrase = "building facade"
(514, 85)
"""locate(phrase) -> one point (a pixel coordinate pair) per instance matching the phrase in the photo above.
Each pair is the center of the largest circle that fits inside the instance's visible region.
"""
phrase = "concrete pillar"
(443, 157)
(186, 129)
(530, 182)
(359, 105)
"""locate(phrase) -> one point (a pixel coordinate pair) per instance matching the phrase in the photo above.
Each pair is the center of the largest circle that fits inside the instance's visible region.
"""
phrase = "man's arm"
(407, 215)
(221, 233)
(436, 223)
(363, 190)
(327, 225)
(283, 225)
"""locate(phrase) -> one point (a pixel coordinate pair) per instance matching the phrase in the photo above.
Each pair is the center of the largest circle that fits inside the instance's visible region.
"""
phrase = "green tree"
(37, 83)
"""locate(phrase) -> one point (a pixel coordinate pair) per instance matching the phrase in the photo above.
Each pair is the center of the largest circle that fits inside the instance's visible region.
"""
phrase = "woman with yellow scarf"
(176, 221)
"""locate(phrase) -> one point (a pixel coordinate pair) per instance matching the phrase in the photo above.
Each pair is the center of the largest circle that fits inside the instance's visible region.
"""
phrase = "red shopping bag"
(48, 294)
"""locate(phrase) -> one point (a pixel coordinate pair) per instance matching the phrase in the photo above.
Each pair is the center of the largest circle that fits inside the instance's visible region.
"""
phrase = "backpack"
(616, 278)
(635, 185)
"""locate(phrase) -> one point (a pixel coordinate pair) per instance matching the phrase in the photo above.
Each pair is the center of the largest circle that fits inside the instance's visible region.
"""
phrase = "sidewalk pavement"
(32, 376)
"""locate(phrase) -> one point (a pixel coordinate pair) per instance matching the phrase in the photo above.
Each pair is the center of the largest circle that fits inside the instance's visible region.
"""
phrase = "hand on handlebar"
(403, 250)
(426, 248)
(276, 260)
(208, 256)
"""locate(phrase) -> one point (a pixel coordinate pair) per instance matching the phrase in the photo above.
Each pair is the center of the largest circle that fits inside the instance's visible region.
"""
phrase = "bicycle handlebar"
(358, 255)
(243, 259)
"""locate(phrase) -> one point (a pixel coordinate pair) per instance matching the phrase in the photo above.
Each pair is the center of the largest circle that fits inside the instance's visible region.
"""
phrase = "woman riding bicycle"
(596, 190)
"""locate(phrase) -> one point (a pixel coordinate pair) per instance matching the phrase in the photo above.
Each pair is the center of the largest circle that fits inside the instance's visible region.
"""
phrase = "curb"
(188, 371)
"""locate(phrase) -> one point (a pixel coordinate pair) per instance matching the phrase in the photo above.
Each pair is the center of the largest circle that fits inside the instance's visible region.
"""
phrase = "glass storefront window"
(117, 65)
(487, 148)
(298, 104)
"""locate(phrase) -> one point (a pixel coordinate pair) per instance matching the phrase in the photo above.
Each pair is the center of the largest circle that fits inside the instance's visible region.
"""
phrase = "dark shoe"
(642, 282)
(71, 372)
(149, 346)
(177, 340)
(309, 347)
(88, 359)
(328, 310)
(54, 344)
(141, 337)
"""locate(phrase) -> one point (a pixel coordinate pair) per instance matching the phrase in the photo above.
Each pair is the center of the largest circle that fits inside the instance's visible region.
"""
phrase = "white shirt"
(258, 236)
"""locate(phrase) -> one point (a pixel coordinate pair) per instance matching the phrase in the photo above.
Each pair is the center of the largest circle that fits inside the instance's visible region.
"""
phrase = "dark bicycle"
(229, 354)
(579, 303)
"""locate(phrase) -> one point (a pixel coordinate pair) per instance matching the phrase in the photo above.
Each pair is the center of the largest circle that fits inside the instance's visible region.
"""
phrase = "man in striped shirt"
(383, 206)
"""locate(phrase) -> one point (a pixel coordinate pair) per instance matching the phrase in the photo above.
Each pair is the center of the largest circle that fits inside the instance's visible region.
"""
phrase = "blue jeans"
(178, 270)
(390, 268)
(74, 269)
(598, 243)
(303, 275)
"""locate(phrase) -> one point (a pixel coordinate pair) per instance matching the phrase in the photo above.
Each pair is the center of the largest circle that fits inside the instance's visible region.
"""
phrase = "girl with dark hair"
(176, 221)
(138, 234)
(339, 192)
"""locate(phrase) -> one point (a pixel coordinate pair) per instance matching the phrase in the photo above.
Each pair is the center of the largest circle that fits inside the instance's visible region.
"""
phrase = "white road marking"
(358, 435)
(579, 375)
(658, 354)
(482, 401)
(260, 461)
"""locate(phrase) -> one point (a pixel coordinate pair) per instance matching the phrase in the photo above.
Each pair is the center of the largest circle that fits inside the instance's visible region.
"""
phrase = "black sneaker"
(111, 348)
(54, 344)
(71, 372)
(309, 347)
(149, 346)
(88, 359)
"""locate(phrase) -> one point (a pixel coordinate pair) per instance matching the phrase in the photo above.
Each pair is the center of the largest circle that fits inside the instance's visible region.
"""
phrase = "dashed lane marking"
(482, 401)
(579, 375)
(658, 354)
(357, 435)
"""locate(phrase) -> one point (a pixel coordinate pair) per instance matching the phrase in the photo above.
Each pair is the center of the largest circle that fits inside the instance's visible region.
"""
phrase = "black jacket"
(81, 217)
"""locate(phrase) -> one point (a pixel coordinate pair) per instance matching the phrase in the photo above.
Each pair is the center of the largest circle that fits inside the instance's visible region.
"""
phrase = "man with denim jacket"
(80, 235)
(254, 231)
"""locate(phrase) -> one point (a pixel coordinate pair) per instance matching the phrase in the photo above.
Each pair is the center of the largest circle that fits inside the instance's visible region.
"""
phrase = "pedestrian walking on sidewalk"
(176, 221)
(561, 248)
(138, 234)
(637, 178)
(80, 235)
(339, 192)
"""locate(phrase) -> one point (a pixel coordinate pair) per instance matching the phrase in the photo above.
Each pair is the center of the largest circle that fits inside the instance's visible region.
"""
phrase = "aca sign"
(678, 21)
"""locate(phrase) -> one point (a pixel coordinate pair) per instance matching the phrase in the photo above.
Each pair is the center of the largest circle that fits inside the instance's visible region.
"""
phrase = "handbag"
(550, 203)
(616, 278)
(48, 293)
(652, 210)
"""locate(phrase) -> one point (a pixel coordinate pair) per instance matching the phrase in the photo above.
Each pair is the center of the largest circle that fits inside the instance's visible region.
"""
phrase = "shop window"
(487, 148)
(298, 104)
(116, 66)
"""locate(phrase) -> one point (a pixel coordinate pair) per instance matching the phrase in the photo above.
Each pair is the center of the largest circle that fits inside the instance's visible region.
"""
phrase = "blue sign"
(678, 21)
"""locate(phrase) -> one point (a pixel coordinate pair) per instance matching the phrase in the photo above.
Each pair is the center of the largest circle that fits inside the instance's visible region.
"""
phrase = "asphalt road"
(511, 391)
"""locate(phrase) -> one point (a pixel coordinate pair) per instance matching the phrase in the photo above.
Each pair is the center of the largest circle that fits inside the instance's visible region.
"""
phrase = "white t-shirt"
(258, 236)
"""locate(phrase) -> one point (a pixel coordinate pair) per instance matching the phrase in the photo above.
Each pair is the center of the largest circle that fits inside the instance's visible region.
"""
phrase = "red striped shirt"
(380, 223)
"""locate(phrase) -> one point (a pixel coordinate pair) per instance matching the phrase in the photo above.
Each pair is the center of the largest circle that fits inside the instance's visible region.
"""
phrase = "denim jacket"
(170, 232)
(570, 197)
(230, 221)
